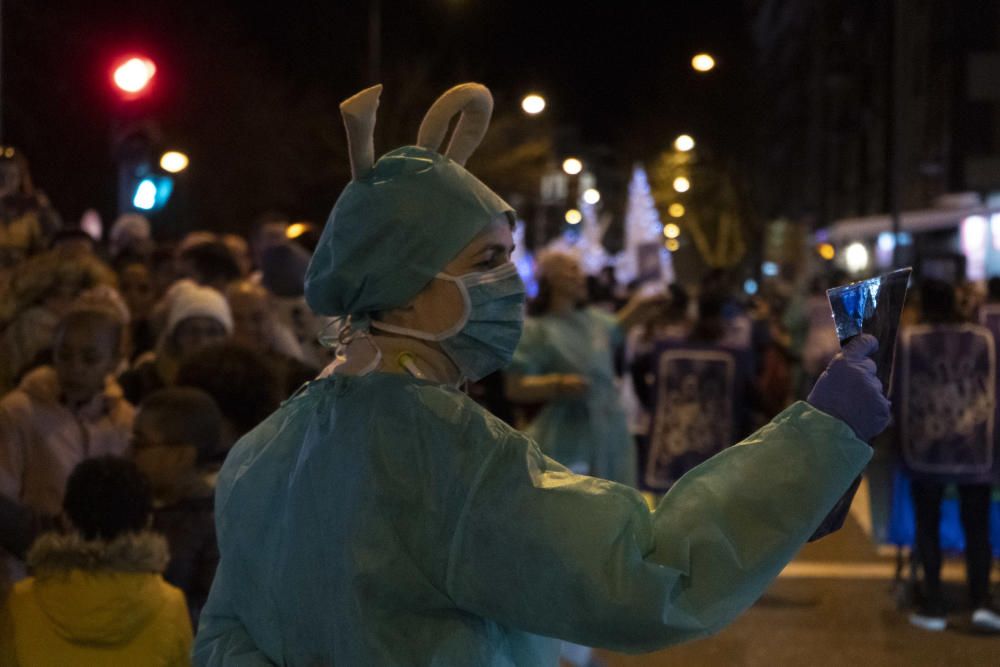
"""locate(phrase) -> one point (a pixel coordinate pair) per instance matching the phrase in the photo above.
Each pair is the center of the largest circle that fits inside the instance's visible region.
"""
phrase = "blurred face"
(61, 299)
(566, 278)
(10, 178)
(250, 316)
(163, 463)
(194, 333)
(83, 358)
(240, 250)
(440, 304)
(137, 289)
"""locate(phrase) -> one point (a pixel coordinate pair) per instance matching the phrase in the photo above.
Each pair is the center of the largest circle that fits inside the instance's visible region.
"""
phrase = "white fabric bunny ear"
(475, 103)
(359, 121)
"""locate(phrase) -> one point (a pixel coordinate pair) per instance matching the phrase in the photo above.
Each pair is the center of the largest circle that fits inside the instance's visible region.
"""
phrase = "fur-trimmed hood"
(99, 592)
(131, 552)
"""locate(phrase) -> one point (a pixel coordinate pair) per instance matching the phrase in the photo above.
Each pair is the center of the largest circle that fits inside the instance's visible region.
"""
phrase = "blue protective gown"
(588, 434)
(384, 520)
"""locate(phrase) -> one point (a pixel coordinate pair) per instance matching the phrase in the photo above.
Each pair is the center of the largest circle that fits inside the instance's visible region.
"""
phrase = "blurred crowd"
(130, 366)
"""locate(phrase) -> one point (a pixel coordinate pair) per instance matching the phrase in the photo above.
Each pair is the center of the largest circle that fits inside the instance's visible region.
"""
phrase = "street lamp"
(591, 196)
(684, 143)
(703, 62)
(672, 245)
(572, 166)
(676, 210)
(533, 104)
(174, 161)
(573, 216)
(682, 184)
(671, 230)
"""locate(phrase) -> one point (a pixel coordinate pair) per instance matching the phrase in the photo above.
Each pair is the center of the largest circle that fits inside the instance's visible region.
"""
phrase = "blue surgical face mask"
(484, 339)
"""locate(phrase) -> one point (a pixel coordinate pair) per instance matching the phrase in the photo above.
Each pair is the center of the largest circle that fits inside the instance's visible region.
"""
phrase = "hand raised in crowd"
(850, 391)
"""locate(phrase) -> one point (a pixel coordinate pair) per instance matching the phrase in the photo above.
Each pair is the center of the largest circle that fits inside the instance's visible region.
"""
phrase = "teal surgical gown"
(588, 434)
(384, 520)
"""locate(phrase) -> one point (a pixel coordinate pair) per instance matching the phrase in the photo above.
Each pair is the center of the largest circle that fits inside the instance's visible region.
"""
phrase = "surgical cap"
(393, 229)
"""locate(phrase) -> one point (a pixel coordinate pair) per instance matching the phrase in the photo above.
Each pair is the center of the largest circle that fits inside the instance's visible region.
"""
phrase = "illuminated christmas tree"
(643, 232)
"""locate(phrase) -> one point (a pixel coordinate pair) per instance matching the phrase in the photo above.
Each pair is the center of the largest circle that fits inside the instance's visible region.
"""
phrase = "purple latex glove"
(850, 391)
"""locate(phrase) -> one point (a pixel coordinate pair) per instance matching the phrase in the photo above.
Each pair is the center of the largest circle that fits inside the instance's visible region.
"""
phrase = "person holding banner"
(946, 403)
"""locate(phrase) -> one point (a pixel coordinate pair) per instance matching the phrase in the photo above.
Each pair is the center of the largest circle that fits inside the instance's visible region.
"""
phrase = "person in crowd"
(63, 414)
(256, 327)
(196, 316)
(384, 518)
(698, 391)
(944, 402)
(240, 250)
(244, 385)
(210, 264)
(177, 432)
(96, 595)
(564, 360)
(255, 324)
(131, 235)
(669, 323)
(44, 289)
(135, 282)
(27, 220)
(283, 270)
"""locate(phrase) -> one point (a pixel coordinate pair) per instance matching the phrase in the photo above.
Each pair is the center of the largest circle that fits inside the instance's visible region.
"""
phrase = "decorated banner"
(947, 395)
(694, 411)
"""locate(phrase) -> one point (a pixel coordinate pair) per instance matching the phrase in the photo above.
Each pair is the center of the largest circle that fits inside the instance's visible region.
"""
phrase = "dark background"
(250, 90)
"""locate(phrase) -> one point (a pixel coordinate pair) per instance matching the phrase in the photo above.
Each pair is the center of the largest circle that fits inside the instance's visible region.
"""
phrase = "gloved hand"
(850, 391)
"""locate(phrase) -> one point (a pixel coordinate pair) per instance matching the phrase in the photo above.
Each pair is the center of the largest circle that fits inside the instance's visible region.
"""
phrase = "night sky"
(250, 89)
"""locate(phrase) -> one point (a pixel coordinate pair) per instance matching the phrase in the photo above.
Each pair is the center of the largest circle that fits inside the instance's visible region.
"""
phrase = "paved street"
(835, 606)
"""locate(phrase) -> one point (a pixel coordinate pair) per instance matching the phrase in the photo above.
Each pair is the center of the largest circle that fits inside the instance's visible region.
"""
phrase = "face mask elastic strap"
(423, 335)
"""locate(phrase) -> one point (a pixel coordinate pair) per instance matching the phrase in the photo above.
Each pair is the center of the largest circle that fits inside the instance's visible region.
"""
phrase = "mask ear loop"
(345, 335)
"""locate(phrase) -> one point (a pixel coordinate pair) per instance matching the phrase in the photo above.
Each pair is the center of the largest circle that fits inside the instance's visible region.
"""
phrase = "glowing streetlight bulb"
(174, 161)
(533, 104)
(703, 62)
(672, 245)
(573, 216)
(827, 251)
(591, 196)
(572, 166)
(684, 143)
(682, 184)
(671, 230)
(676, 210)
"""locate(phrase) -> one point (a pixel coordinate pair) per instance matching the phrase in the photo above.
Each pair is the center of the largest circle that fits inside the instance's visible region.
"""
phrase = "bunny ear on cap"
(359, 121)
(401, 220)
(475, 103)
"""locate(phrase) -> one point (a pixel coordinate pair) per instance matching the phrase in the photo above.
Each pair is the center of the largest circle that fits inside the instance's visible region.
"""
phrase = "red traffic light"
(133, 75)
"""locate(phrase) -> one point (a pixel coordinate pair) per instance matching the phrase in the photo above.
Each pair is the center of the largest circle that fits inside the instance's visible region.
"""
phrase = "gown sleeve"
(556, 554)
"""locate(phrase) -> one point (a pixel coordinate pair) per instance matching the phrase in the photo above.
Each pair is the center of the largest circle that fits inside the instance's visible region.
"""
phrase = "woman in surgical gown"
(380, 517)
(565, 360)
